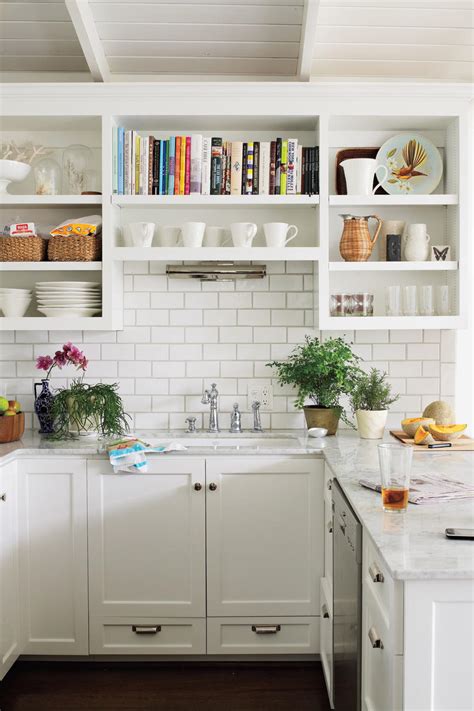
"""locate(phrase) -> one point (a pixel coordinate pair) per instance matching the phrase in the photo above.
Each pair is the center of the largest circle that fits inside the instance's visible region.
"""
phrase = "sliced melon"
(411, 424)
(441, 411)
(446, 433)
(422, 436)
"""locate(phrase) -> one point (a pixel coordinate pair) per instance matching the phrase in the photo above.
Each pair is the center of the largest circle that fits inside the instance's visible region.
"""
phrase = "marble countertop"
(413, 545)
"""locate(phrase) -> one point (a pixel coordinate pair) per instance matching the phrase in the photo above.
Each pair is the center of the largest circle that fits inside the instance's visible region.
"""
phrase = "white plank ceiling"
(238, 39)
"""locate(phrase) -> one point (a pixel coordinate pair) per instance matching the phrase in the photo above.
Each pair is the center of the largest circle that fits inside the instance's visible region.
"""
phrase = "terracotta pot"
(327, 417)
(371, 423)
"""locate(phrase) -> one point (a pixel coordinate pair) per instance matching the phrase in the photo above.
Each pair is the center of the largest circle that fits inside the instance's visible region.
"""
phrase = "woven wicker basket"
(74, 248)
(22, 249)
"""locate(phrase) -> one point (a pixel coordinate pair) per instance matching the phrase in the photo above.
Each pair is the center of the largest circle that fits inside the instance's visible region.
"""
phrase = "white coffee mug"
(243, 233)
(276, 234)
(192, 234)
(138, 234)
(216, 237)
(168, 236)
(359, 174)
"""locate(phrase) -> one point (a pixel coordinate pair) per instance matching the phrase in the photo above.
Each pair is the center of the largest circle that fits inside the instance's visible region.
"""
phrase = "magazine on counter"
(430, 488)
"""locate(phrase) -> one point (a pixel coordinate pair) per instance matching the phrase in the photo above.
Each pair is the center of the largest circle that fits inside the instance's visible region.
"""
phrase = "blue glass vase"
(43, 407)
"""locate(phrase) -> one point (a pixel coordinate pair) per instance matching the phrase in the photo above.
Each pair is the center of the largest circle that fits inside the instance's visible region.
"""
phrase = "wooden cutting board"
(463, 443)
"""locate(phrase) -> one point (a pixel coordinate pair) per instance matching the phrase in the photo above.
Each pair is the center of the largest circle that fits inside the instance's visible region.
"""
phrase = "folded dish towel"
(129, 453)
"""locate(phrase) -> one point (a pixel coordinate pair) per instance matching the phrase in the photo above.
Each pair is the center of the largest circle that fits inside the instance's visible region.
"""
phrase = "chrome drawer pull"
(325, 612)
(146, 629)
(329, 484)
(266, 629)
(3, 497)
(329, 526)
(376, 574)
(375, 640)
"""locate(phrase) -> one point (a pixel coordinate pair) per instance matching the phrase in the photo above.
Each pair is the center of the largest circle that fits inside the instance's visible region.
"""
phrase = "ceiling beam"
(84, 24)
(307, 39)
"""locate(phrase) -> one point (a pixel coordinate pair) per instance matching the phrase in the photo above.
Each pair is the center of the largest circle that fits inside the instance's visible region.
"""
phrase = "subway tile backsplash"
(182, 335)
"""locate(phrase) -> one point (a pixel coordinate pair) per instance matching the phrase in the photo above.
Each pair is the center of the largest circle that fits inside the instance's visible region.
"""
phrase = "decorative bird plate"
(414, 164)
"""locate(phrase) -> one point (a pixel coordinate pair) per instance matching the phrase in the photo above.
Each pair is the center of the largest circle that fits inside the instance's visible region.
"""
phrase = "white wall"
(181, 335)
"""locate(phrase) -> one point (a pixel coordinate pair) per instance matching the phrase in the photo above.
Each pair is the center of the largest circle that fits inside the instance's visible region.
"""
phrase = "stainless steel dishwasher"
(347, 603)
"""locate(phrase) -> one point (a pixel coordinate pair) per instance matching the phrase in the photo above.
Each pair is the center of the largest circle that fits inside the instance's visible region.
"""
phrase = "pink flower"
(60, 359)
(84, 363)
(44, 362)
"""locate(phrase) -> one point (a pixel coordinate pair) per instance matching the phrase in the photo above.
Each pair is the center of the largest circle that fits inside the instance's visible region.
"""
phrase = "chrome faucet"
(209, 397)
(257, 424)
(236, 419)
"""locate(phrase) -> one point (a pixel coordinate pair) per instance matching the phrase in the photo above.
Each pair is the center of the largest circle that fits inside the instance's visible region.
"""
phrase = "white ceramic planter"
(371, 423)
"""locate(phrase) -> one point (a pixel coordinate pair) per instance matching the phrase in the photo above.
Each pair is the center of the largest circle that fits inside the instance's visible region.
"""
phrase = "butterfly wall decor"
(440, 253)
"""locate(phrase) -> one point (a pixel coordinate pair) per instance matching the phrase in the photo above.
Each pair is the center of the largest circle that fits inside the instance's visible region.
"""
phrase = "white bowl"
(317, 432)
(12, 171)
(14, 306)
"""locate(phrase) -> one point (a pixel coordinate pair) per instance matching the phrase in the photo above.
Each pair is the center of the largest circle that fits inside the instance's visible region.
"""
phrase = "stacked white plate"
(68, 298)
(14, 302)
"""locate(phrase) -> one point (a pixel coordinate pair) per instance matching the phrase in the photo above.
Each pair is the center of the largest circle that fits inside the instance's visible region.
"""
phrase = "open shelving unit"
(312, 114)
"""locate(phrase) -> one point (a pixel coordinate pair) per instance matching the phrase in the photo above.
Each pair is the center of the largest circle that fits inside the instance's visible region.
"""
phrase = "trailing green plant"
(322, 371)
(372, 392)
(85, 407)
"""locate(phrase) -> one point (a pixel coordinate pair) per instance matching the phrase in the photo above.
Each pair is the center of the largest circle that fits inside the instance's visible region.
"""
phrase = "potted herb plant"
(322, 371)
(370, 399)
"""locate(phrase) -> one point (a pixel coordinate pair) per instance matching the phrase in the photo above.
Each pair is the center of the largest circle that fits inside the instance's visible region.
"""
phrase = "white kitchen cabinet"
(148, 635)
(262, 635)
(53, 555)
(147, 540)
(11, 641)
(265, 549)
(326, 638)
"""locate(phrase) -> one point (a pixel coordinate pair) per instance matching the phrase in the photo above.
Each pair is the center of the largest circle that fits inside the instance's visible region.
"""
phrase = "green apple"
(9, 413)
(3, 404)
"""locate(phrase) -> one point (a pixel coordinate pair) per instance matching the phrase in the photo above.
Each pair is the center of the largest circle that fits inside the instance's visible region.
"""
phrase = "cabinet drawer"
(257, 635)
(150, 635)
(377, 579)
(328, 544)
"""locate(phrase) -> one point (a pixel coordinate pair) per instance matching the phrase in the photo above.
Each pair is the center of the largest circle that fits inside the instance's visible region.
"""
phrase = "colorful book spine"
(137, 163)
(216, 166)
(264, 176)
(277, 165)
(244, 167)
(196, 164)
(171, 164)
(271, 180)
(299, 172)
(151, 145)
(206, 166)
(120, 159)
(164, 168)
(283, 167)
(127, 161)
(291, 166)
(177, 164)
(256, 168)
(156, 167)
(187, 175)
(115, 132)
(182, 166)
(315, 185)
(236, 168)
(144, 166)
(249, 178)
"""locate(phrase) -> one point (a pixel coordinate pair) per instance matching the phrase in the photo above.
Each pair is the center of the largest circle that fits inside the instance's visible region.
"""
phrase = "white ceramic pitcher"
(139, 234)
(359, 174)
(416, 243)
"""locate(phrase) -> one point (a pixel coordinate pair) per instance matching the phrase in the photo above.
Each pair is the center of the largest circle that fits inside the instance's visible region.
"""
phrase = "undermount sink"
(237, 442)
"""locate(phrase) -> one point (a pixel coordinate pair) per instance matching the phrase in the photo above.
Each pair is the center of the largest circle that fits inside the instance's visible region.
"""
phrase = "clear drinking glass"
(442, 300)
(395, 466)
(392, 301)
(426, 301)
(362, 304)
(409, 301)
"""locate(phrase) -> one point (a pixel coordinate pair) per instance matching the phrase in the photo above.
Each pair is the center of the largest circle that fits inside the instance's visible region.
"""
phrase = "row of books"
(186, 165)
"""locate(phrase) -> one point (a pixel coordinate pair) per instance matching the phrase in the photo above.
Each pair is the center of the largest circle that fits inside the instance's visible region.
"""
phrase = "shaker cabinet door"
(265, 543)
(53, 555)
(146, 539)
(10, 632)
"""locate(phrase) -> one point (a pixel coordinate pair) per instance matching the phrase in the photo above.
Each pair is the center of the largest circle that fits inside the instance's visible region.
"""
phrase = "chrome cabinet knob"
(197, 486)
(3, 497)
(212, 486)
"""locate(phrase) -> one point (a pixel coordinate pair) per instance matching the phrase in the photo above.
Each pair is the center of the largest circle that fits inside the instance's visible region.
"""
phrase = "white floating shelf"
(212, 254)
(392, 266)
(372, 323)
(65, 323)
(50, 266)
(381, 200)
(215, 200)
(50, 200)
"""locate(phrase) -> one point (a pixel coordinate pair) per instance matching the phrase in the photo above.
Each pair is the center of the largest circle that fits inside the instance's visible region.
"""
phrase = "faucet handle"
(257, 424)
(191, 424)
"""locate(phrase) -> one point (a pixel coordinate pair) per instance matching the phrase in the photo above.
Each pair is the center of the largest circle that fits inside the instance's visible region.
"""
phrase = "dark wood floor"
(116, 686)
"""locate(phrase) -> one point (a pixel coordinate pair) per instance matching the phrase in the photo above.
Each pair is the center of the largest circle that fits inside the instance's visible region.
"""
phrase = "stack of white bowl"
(68, 298)
(14, 302)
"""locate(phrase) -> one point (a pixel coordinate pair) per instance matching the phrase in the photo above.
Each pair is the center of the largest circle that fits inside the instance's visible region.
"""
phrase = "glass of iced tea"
(395, 465)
